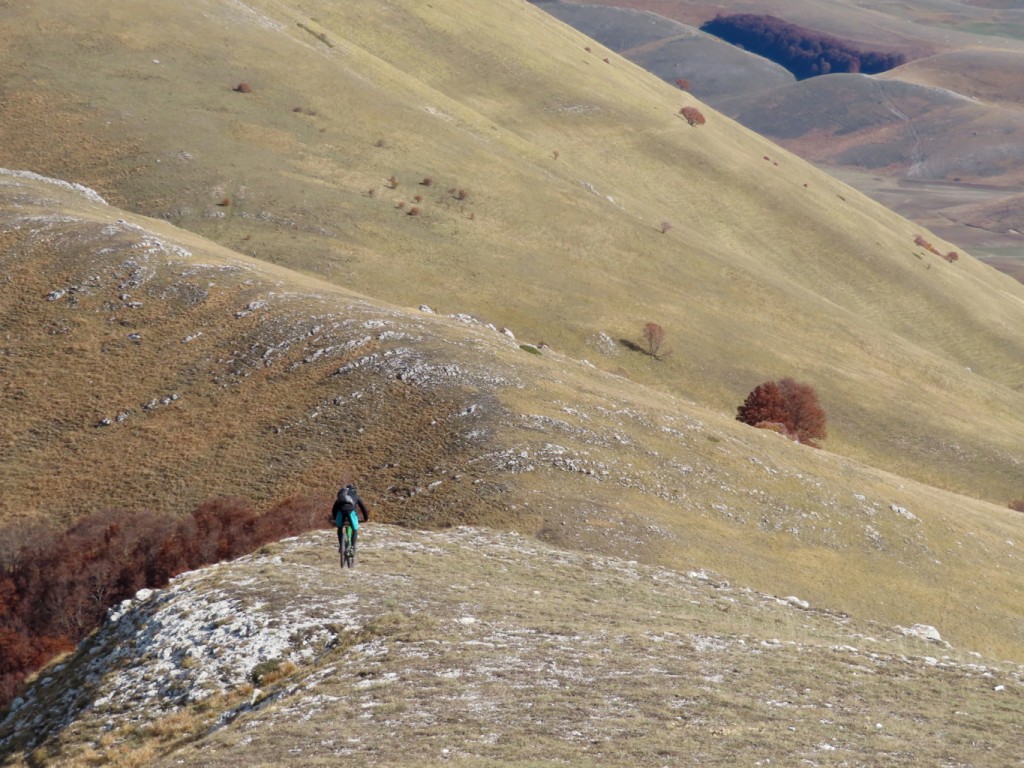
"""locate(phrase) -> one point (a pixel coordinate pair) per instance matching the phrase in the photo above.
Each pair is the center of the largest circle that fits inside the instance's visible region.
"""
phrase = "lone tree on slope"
(786, 406)
(654, 337)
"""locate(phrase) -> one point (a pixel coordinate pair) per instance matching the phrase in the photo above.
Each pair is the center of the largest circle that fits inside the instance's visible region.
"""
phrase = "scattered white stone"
(467, 621)
(999, 688)
(89, 193)
(922, 631)
(797, 602)
(902, 512)
(508, 333)
(427, 310)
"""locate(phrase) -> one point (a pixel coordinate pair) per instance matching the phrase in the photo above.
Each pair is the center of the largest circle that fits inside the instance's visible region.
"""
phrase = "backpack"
(344, 505)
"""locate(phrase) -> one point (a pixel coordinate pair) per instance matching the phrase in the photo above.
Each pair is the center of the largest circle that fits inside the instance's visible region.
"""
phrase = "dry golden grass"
(443, 422)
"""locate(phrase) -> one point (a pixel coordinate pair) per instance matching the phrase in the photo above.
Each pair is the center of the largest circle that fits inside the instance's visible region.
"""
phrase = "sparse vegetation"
(951, 256)
(267, 672)
(787, 407)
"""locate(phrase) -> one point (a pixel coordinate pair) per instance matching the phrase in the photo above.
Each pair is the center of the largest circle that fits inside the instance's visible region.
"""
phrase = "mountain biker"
(344, 512)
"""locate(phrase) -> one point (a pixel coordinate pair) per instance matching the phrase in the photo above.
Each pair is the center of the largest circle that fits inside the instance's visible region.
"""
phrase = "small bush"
(427, 181)
(683, 84)
(787, 407)
(243, 88)
(951, 256)
(692, 115)
(267, 672)
(1017, 505)
(413, 211)
(665, 227)
(393, 182)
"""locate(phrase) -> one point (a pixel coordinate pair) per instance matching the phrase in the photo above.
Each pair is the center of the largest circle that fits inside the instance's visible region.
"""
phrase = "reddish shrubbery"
(692, 115)
(56, 588)
(786, 407)
(950, 257)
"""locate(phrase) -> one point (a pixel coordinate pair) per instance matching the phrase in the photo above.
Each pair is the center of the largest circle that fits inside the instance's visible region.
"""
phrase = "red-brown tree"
(786, 406)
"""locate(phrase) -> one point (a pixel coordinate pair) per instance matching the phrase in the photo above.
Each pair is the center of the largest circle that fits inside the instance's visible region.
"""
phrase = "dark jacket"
(344, 506)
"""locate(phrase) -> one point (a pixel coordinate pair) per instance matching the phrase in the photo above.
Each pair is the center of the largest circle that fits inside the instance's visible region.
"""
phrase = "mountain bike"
(346, 550)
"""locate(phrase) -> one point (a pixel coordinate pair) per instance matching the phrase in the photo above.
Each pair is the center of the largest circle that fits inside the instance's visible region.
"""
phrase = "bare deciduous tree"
(654, 338)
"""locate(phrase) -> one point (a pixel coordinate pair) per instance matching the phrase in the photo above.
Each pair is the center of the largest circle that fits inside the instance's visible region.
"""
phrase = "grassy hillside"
(475, 648)
(220, 374)
(770, 268)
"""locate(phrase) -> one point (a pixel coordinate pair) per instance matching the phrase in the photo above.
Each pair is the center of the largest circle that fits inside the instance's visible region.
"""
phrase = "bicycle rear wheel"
(348, 555)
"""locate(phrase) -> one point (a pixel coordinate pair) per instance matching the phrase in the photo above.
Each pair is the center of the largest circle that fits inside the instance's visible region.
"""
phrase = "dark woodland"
(804, 52)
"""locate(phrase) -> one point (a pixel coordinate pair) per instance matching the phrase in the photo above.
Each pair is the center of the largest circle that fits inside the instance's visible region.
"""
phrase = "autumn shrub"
(1017, 505)
(919, 240)
(692, 115)
(243, 88)
(55, 588)
(787, 407)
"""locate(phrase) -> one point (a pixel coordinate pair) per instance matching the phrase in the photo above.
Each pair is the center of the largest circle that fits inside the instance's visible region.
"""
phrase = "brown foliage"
(692, 115)
(242, 88)
(55, 588)
(1017, 505)
(788, 407)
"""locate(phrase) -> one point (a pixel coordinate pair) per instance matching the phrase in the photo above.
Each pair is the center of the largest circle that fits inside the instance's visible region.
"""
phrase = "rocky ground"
(481, 648)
